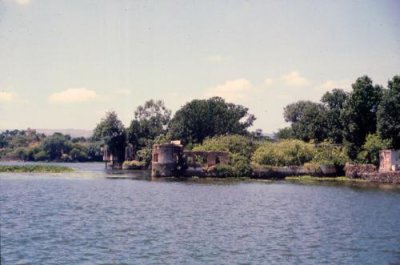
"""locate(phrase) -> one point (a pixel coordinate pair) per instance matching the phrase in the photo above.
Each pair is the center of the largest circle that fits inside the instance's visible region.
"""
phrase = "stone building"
(165, 159)
(389, 160)
(171, 160)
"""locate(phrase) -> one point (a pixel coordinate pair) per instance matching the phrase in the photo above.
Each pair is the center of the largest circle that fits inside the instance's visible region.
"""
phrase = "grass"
(316, 179)
(34, 169)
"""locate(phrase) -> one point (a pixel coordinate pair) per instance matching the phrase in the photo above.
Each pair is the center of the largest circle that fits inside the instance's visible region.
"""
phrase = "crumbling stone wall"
(370, 173)
(358, 170)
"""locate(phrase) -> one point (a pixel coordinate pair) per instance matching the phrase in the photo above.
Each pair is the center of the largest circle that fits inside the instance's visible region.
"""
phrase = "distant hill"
(72, 132)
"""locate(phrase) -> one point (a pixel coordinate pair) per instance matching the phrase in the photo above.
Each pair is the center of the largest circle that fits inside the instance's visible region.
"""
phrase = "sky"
(65, 63)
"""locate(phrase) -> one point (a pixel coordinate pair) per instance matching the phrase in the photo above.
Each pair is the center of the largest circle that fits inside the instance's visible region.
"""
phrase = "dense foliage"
(149, 124)
(28, 145)
(370, 150)
(359, 113)
(389, 114)
(240, 149)
(34, 169)
(296, 152)
(200, 119)
(343, 126)
(284, 153)
(348, 118)
(111, 132)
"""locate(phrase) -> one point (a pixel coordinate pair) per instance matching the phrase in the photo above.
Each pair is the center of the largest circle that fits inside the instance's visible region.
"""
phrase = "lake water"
(86, 218)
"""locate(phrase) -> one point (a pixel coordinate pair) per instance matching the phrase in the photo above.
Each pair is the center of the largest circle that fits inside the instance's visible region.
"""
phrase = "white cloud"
(295, 79)
(331, 84)
(73, 95)
(7, 96)
(268, 81)
(231, 90)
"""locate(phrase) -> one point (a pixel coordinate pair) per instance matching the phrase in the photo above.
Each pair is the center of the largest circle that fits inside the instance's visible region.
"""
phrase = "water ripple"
(100, 221)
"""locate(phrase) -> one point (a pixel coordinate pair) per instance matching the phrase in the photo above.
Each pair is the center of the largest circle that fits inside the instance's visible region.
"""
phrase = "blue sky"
(64, 63)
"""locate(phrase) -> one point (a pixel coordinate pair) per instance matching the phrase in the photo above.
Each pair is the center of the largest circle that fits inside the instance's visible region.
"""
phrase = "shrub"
(234, 144)
(79, 153)
(284, 153)
(144, 155)
(240, 166)
(370, 150)
(240, 150)
(329, 154)
(41, 156)
(134, 164)
(221, 171)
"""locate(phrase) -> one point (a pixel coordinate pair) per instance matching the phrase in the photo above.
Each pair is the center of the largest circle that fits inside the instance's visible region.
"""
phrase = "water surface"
(86, 218)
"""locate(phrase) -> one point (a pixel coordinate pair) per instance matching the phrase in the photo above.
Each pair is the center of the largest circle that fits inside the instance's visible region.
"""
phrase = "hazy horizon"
(65, 63)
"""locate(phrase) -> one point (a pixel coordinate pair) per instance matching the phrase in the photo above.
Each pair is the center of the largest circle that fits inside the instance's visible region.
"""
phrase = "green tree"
(56, 145)
(389, 113)
(370, 149)
(308, 120)
(359, 113)
(150, 121)
(79, 153)
(199, 119)
(285, 133)
(334, 102)
(111, 132)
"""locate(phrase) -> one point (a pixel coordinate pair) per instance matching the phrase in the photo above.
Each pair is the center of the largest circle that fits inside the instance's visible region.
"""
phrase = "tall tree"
(334, 102)
(308, 120)
(150, 121)
(389, 113)
(199, 119)
(56, 145)
(111, 132)
(359, 113)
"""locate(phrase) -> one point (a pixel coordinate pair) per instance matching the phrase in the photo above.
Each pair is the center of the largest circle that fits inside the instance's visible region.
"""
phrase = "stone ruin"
(389, 161)
(388, 172)
(171, 160)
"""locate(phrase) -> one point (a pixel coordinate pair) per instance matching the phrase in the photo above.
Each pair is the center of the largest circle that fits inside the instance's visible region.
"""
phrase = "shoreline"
(47, 167)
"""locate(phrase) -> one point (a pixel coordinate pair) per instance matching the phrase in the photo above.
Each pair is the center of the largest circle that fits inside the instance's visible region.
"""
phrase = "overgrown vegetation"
(298, 153)
(284, 153)
(364, 120)
(311, 179)
(240, 149)
(344, 126)
(34, 169)
(28, 145)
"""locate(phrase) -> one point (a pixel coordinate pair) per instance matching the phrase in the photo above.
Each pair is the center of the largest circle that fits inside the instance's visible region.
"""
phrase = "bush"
(369, 153)
(240, 166)
(134, 164)
(144, 155)
(234, 144)
(329, 154)
(41, 156)
(221, 171)
(240, 150)
(284, 153)
(79, 153)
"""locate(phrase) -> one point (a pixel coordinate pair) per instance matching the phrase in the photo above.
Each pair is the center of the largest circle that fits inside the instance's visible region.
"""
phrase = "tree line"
(364, 120)
(152, 123)
(359, 123)
(29, 145)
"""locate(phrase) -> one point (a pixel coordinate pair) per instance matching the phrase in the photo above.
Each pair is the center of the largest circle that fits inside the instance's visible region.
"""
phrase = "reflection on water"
(86, 218)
